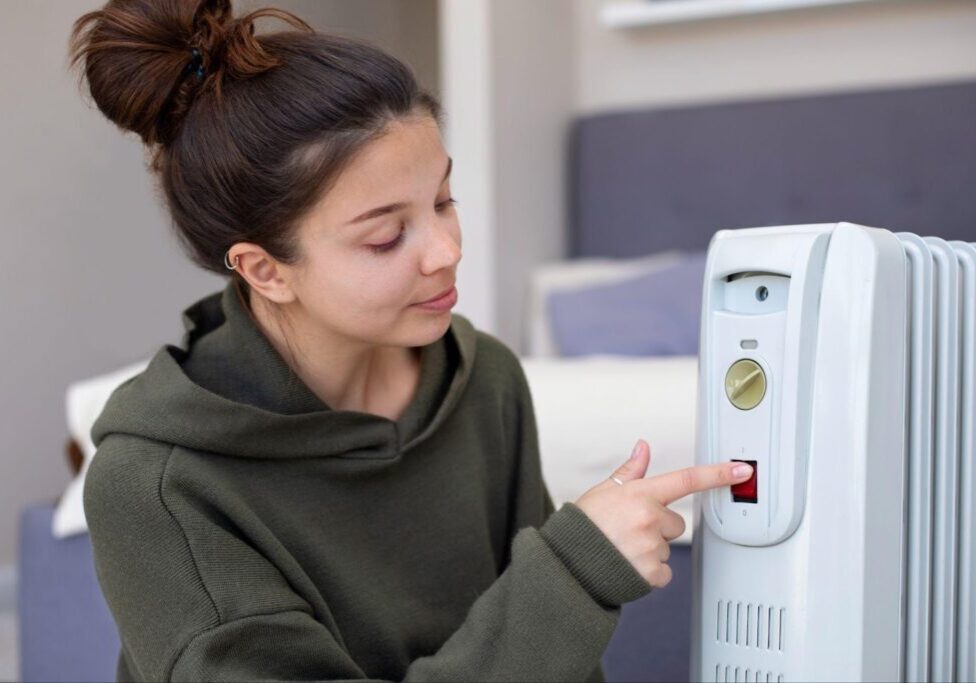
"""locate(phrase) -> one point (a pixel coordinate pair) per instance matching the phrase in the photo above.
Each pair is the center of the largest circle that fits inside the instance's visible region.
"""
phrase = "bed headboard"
(645, 181)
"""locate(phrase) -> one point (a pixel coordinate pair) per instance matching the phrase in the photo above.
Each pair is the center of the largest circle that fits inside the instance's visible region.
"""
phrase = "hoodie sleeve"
(536, 622)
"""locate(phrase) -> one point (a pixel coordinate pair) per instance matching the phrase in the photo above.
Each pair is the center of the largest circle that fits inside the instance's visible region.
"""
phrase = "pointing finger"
(671, 486)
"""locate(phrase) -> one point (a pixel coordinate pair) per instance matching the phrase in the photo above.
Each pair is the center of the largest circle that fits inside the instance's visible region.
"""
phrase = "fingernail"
(633, 454)
(741, 470)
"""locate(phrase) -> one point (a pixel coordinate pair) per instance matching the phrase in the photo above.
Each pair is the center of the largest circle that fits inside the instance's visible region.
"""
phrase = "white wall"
(465, 74)
(803, 51)
(91, 278)
(508, 79)
(534, 74)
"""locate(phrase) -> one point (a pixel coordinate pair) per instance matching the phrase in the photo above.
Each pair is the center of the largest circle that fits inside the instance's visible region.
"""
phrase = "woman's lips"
(439, 296)
(442, 303)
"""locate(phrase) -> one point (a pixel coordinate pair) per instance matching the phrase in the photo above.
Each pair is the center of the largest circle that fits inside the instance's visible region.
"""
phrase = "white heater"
(837, 359)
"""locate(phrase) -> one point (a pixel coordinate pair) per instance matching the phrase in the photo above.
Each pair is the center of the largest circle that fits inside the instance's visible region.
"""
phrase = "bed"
(648, 189)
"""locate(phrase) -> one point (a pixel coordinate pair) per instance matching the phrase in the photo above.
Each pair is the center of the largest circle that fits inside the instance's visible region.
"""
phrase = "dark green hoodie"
(242, 529)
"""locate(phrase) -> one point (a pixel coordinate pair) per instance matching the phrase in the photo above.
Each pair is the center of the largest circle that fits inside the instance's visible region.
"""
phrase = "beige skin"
(352, 334)
(635, 516)
(350, 331)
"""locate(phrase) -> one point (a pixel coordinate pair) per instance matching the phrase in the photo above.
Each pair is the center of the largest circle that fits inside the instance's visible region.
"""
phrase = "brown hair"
(245, 151)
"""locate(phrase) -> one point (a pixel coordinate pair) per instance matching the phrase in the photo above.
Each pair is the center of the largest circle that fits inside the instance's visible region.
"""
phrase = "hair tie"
(196, 64)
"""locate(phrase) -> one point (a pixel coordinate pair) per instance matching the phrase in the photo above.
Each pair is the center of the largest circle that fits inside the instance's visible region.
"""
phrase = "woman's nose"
(445, 251)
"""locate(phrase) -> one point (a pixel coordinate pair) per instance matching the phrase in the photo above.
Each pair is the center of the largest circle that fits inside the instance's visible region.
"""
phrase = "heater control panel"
(758, 331)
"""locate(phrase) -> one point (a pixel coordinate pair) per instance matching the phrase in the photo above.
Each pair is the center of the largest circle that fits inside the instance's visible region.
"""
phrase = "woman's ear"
(263, 272)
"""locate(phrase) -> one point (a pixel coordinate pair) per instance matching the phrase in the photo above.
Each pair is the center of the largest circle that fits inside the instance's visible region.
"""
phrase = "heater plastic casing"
(807, 582)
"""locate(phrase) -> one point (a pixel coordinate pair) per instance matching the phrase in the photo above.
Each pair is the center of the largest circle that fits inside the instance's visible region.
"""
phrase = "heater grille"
(750, 625)
(728, 673)
(940, 623)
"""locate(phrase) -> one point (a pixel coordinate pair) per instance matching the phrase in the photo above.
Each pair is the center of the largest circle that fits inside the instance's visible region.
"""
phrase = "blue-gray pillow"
(654, 314)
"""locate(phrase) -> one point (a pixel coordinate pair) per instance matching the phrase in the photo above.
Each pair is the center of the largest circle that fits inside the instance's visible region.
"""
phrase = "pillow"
(653, 314)
(85, 401)
(577, 274)
(591, 411)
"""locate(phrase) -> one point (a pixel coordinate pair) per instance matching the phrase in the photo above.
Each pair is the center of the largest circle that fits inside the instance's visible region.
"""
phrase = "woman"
(330, 479)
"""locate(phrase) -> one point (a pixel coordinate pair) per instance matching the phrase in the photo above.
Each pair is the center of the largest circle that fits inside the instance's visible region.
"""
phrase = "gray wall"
(91, 277)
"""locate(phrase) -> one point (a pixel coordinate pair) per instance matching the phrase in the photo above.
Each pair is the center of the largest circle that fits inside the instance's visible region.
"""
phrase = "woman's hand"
(634, 515)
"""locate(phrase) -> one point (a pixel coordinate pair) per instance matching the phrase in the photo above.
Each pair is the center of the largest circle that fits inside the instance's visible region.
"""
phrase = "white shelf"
(647, 12)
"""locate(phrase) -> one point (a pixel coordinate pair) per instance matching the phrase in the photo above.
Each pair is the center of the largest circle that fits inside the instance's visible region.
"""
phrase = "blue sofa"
(66, 630)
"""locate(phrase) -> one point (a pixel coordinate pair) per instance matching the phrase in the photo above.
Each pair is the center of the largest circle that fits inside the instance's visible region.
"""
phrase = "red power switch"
(746, 491)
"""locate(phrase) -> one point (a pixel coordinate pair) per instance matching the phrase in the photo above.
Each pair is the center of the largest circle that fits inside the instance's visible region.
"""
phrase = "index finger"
(669, 487)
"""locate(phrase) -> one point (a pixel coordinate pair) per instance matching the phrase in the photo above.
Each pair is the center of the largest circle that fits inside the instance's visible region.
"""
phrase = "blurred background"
(597, 146)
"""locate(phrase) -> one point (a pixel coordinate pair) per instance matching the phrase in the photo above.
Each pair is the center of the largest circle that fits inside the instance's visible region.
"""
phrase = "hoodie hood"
(225, 389)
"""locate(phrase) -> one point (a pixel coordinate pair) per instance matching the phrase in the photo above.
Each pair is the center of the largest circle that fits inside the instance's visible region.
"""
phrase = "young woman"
(332, 477)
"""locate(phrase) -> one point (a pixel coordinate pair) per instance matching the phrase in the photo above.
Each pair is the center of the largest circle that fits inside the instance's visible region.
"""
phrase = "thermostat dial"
(745, 384)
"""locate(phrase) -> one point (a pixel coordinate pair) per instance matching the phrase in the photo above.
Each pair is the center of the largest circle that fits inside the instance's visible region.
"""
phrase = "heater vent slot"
(729, 673)
(749, 625)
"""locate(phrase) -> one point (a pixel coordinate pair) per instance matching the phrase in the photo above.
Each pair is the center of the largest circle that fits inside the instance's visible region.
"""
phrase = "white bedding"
(591, 410)
(84, 401)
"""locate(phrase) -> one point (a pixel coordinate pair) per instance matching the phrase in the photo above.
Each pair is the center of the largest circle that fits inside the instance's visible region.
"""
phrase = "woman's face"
(383, 238)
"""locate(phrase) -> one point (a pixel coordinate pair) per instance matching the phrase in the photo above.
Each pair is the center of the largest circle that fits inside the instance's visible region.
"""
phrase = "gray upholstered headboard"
(649, 180)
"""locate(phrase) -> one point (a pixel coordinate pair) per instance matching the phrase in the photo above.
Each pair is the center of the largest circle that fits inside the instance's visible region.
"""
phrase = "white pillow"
(84, 403)
(575, 274)
(590, 411)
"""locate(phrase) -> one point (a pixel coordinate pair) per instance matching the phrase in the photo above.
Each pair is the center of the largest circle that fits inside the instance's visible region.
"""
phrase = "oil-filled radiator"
(838, 360)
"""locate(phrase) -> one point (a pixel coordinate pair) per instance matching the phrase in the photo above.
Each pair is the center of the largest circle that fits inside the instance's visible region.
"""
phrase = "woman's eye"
(380, 248)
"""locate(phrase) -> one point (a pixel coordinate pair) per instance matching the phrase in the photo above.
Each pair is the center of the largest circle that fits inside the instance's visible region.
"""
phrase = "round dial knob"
(745, 384)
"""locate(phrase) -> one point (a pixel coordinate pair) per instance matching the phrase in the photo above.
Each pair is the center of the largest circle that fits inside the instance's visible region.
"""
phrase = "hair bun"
(137, 56)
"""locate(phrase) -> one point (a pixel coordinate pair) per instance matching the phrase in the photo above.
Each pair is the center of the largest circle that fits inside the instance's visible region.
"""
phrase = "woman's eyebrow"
(390, 208)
